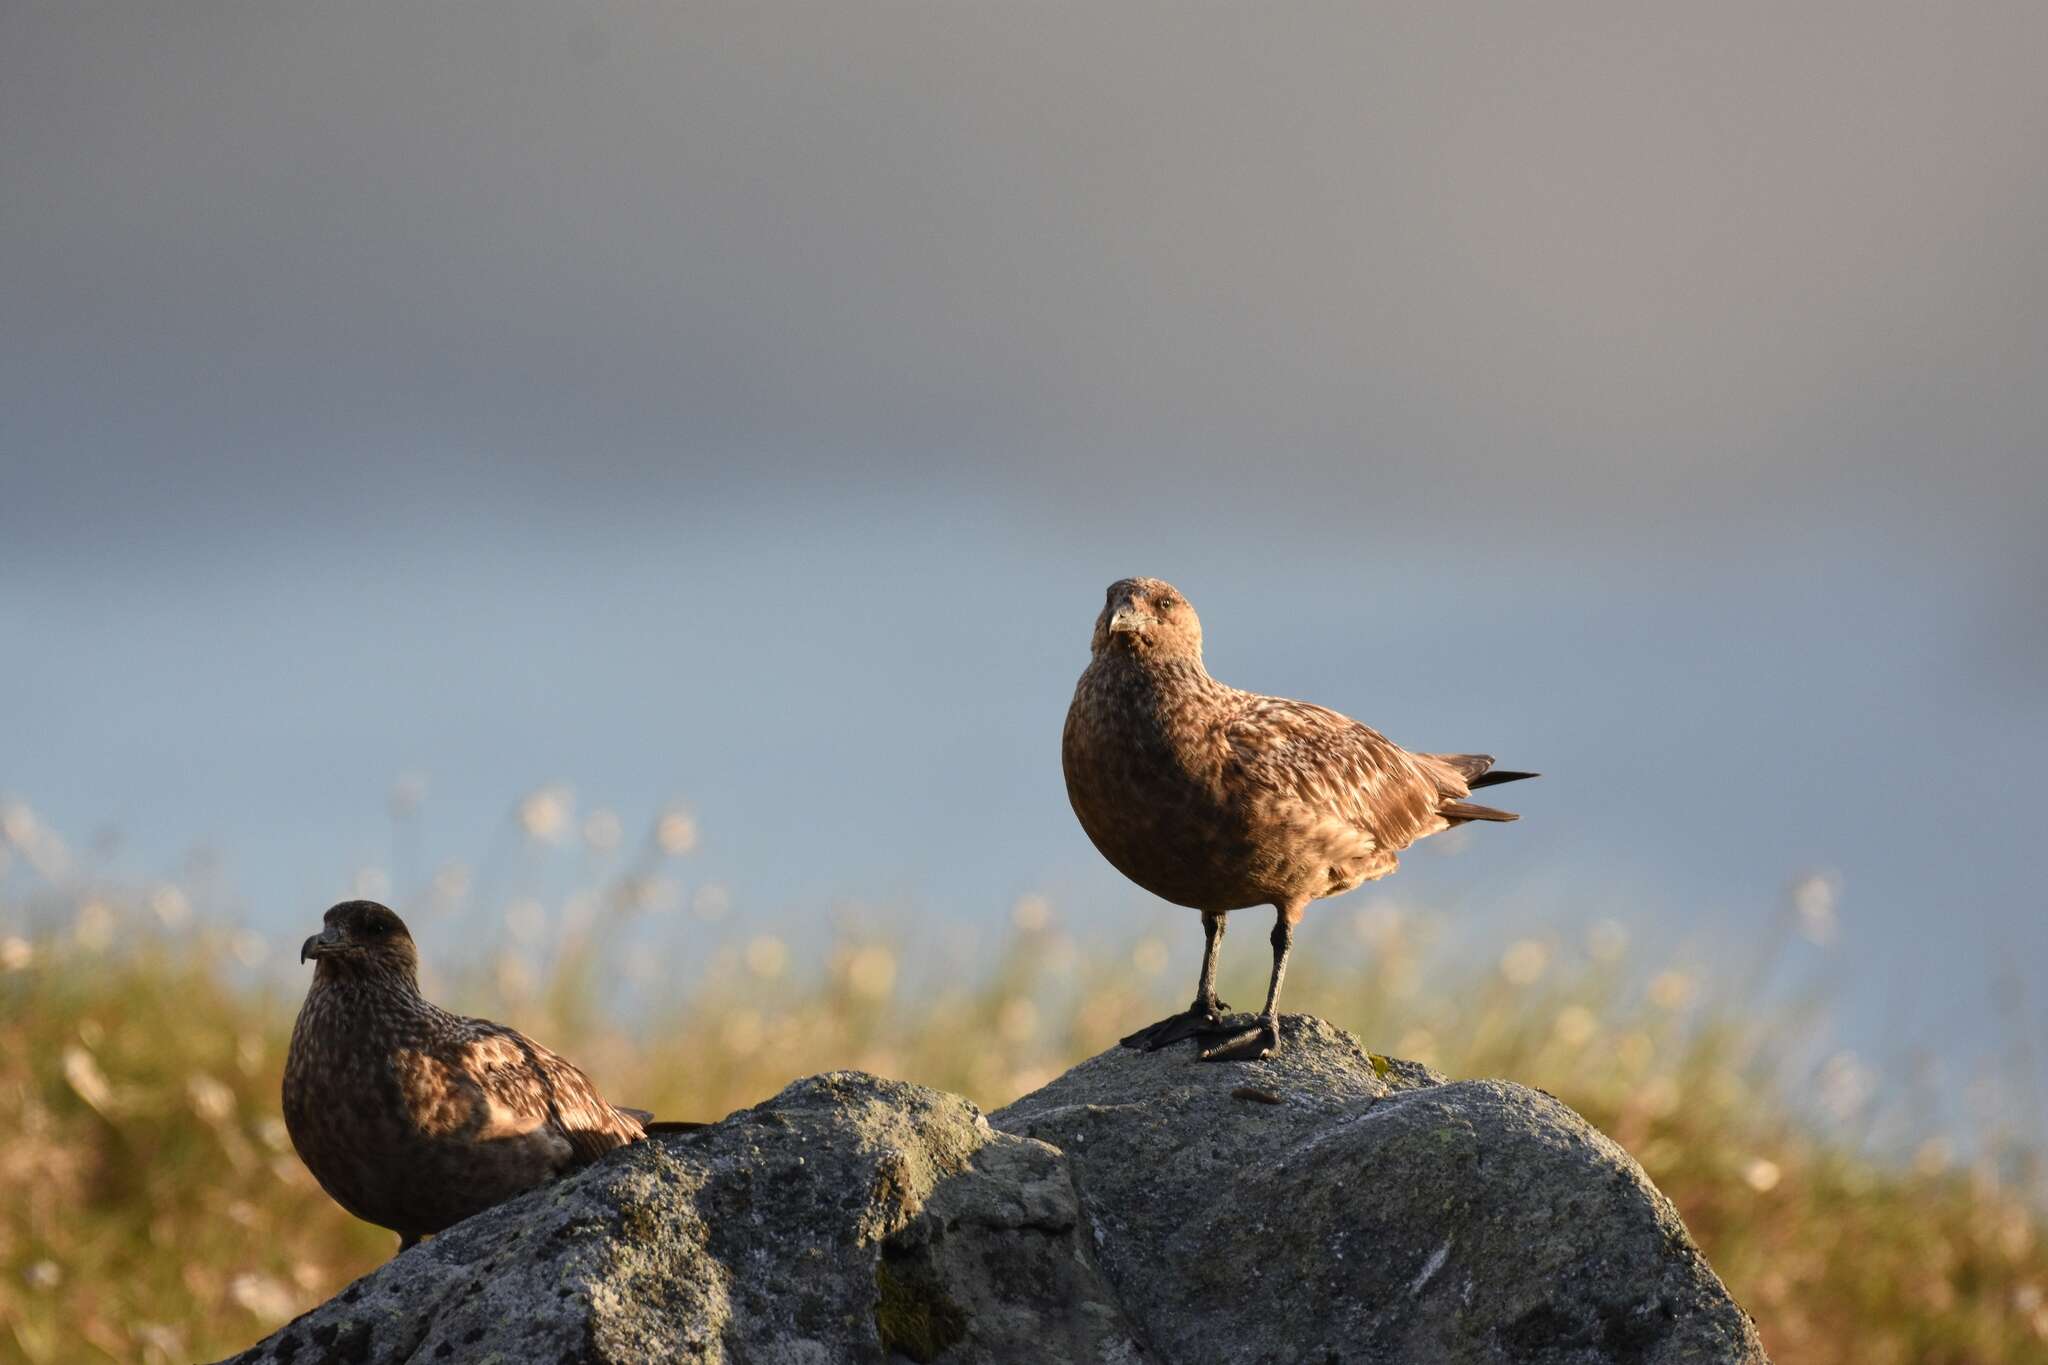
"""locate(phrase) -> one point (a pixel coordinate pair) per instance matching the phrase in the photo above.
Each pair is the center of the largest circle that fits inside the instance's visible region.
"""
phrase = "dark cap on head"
(362, 934)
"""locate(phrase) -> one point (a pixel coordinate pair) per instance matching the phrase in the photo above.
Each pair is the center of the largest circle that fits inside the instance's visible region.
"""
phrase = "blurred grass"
(151, 1207)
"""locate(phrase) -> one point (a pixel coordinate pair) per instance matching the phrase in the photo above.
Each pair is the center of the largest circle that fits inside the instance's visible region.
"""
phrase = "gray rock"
(1327, 1205)
(1322, 1205)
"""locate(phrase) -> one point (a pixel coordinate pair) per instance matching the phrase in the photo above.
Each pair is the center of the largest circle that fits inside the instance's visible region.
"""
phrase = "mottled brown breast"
(1144, 759)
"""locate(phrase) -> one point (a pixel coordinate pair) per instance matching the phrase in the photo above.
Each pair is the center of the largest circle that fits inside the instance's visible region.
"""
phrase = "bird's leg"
(1205, 1014)
(1264, 1036)
(1206, 1002)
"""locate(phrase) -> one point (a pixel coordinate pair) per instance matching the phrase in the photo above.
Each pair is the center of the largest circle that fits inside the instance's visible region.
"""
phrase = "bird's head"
(1149, 619)
(362, 936)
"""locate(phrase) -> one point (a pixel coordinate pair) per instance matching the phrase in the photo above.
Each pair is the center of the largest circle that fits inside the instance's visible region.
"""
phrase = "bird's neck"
(366, 987)
(382, 1011)
(1153, 678)
(1166, 704)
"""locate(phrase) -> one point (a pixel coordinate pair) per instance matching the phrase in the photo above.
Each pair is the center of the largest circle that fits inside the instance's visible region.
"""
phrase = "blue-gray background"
(746, 404)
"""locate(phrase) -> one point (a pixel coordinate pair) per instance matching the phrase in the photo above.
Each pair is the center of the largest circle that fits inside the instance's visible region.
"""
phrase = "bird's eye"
(1167, 603)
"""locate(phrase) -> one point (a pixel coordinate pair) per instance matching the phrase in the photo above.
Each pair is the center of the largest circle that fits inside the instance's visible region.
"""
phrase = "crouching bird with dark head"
(414, 1118)
(1218, 799)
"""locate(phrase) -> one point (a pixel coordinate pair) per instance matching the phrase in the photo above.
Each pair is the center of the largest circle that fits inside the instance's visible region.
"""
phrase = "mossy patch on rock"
(913, 1315)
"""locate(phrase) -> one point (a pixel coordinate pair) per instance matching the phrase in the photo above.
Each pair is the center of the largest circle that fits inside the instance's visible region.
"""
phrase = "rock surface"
(1322, 1205)
(1328, 1205)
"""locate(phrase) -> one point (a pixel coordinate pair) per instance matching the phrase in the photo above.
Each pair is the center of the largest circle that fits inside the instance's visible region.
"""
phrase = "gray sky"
(749, 403)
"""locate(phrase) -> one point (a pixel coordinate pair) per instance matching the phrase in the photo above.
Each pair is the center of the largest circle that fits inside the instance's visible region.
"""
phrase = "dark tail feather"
(1458, 812)
(1474, 769)
(650, 1124)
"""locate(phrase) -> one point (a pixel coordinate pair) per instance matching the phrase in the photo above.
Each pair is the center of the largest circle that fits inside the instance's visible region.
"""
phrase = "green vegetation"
(913, 1318)
(151, 1207)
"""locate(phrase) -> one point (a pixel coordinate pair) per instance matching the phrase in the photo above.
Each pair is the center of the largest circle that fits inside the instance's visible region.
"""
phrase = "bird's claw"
(1189, 1023)
(1245, 1045)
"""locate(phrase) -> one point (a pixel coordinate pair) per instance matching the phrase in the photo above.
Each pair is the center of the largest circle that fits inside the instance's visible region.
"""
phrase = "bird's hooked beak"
(1128, 620)
(321, 944)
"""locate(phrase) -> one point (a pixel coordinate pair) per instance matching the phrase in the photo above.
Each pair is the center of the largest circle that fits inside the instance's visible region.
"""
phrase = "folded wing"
(525, 1079)
(1335, 767)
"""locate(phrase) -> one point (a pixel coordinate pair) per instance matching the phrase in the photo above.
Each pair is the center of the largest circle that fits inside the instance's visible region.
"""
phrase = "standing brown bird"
(1218, 799)
(414, 1118)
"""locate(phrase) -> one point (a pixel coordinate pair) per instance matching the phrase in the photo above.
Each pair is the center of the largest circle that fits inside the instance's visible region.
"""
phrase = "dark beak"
(320, 944)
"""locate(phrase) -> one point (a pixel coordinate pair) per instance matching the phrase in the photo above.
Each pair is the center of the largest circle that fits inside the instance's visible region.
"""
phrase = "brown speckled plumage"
(1218, 799)
(414, 1118)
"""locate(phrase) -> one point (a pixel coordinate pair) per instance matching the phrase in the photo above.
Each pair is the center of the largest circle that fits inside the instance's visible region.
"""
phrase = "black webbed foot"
(1191, 1022)
(1243, 1045)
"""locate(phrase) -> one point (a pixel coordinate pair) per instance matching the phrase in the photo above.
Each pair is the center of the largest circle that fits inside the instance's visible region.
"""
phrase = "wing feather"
(523, 1078)
(1334, 767)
